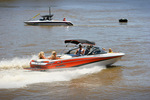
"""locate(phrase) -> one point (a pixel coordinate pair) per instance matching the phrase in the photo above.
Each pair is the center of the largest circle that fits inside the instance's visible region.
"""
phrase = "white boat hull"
(103, 63)
(49, 23)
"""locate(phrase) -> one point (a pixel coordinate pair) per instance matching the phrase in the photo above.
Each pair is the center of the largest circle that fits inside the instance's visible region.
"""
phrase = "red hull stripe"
(97, 60)
(72, 62)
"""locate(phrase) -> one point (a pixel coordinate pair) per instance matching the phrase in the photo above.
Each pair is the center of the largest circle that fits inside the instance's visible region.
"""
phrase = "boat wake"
(16, 63)
(12, 74)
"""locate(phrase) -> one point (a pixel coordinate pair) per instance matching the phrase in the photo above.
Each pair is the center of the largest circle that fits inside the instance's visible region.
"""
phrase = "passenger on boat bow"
(53, 56)
(110, 50)
(42, 55)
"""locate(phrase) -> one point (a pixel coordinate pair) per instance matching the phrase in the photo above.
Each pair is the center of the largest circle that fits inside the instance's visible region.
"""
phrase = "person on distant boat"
(80, 51)
(110, 50)
(53, 56)
(64, 19)
(42, 55)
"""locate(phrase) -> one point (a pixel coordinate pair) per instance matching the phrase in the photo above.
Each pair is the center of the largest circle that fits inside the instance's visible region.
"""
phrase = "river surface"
(94, 20)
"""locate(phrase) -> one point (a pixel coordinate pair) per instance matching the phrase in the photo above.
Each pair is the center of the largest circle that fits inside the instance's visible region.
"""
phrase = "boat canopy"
(78, 41)
(47, 17)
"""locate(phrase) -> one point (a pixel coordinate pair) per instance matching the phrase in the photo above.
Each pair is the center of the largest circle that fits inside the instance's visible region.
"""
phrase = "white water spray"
(12, 74)
(16, 63)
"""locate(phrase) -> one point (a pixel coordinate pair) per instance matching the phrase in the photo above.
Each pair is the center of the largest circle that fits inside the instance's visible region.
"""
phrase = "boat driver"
(80, 51)
(87, 51)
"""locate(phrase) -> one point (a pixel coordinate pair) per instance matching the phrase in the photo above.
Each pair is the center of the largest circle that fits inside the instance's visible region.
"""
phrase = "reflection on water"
(28, 45)
(103, 78)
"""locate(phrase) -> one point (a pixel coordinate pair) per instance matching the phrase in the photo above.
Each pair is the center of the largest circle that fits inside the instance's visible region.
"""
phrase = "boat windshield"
(92, 51)
(47, 17)
(96, 50)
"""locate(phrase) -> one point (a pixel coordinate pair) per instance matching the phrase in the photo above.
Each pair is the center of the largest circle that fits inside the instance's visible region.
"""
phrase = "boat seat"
(65, 56)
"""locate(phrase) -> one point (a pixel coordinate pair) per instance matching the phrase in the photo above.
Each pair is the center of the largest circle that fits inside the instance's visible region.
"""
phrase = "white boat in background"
(48, 21)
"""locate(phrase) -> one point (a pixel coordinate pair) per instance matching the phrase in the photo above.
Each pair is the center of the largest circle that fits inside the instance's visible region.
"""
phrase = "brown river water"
(94, 20)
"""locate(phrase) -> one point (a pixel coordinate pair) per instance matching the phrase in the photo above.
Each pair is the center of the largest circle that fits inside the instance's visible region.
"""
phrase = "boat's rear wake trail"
(15, 63)
(17, 77)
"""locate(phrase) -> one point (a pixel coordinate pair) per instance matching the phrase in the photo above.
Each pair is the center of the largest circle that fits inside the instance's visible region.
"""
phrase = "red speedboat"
(95, 57)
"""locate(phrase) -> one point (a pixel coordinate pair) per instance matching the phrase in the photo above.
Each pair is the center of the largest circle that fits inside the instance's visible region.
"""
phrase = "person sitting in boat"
(104, 49)
(53, 56)
(88, 48)
(64, 19)
(42, 55)
(80, 51)
(110, 50)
